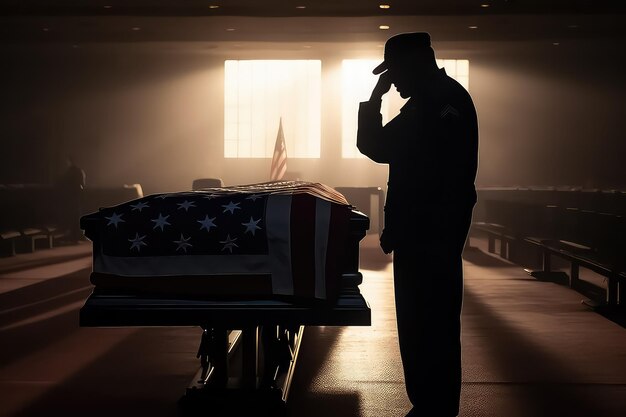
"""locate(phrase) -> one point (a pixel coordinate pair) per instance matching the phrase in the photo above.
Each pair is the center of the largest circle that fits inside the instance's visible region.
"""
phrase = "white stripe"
(278, 224)
(322, 226)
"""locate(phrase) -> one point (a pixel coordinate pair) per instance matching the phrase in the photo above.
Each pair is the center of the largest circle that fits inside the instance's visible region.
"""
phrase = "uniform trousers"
(428, 281)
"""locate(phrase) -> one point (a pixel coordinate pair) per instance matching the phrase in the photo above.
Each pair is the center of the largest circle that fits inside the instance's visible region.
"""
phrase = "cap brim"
(380, 68)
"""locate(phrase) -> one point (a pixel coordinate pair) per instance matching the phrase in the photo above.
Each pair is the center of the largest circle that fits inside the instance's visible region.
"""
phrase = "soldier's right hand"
(382, 86)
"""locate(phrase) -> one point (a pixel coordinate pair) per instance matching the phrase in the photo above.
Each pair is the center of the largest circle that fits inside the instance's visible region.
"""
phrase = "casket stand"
(267, 332)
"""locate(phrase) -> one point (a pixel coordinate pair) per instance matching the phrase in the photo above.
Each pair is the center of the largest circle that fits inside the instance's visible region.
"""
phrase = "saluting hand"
(382, 86)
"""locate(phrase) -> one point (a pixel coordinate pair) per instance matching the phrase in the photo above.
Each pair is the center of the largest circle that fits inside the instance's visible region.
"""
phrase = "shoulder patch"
(449, 110)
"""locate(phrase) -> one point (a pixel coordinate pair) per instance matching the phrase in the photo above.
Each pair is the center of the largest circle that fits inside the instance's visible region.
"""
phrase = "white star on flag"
(183, 243)
(208, 223)
(186, 204)
(253, 197)
(137, 242)
(161, 222)
(139, 206)
(279, 159)
(231, 207)
(229, 243)
(115, 219)
(251, 226)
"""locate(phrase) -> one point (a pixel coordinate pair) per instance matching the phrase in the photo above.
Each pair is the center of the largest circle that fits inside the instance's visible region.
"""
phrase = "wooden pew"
(584, 238)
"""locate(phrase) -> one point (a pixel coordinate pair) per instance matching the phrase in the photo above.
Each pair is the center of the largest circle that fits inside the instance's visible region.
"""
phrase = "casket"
(281, 240)
(267, 259)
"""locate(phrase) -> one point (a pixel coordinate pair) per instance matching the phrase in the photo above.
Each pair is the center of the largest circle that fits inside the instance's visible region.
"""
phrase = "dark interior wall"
(153, 114)
(551, 115)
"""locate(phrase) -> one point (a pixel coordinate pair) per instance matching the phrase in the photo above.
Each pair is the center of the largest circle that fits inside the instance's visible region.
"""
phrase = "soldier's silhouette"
(432, 151)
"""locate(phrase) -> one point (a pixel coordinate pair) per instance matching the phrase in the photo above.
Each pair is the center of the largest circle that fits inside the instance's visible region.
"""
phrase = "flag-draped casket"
(278, 239)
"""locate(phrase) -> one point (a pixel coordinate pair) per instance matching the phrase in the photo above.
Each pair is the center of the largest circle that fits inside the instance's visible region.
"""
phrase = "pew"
(591, 240)
(582, 237)
(33, 216)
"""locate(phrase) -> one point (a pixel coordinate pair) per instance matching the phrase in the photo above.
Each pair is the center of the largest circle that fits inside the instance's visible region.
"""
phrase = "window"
(258, 93)
(357, 84)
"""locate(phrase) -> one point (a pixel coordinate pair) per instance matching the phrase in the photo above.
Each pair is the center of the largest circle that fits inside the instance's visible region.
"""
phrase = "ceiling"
(302, 21)
(287, 8)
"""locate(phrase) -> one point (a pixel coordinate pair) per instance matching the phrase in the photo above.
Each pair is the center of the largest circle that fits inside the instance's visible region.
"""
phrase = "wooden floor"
(530, 349)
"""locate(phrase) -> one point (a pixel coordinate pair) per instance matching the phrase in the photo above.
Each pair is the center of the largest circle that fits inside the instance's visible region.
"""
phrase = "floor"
(530, 349)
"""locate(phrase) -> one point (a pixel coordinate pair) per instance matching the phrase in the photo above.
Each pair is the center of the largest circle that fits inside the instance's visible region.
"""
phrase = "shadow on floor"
(550, 392)
(35, 316)
(478, 257)
(147, 372)
(304, 401)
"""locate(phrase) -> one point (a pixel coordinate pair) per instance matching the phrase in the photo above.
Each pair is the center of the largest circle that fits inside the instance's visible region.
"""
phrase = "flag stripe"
(279, 158)
(322, 224)
(303, 245)
(278, 223)
(337, 251)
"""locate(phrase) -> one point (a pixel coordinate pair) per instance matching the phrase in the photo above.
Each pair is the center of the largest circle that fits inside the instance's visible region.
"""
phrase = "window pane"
(357, 84)
(258, 93)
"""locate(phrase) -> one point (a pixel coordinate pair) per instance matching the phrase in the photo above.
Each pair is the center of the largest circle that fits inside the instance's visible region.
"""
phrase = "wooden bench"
(591, 240)
(7, 242)
(584, 238)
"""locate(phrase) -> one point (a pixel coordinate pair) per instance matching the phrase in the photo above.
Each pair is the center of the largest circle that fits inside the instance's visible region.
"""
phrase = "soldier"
(432, 151)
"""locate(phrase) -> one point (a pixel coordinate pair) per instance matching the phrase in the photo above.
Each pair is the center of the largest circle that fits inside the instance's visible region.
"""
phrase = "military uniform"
(431, 148)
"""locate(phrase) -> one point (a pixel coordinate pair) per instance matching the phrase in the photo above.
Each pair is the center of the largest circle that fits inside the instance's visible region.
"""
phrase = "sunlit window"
(357, 84)
(258, 93)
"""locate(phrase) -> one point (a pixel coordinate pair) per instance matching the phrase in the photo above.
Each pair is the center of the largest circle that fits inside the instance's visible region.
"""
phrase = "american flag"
(279, 159)
(294, 231)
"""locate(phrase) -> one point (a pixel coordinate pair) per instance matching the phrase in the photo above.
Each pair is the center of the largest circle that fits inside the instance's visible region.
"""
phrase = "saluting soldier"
(431, 148)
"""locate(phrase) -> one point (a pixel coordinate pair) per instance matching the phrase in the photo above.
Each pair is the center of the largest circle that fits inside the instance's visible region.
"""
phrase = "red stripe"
(303, 245)
(338, 245)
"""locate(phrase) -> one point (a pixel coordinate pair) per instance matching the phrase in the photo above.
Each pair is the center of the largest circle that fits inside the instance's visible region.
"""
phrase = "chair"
(370, 201)
(201, 183)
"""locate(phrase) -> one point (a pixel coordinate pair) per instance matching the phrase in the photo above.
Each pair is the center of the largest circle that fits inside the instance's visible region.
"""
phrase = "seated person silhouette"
(70, 187)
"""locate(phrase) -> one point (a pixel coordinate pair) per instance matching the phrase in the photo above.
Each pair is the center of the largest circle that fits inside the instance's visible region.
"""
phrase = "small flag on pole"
(279, 159)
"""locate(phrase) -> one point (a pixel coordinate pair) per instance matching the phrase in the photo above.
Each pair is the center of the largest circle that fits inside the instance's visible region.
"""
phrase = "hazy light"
(384, 6)
(457, 69)
(357, 82)
(45, 29)
(485, 5)
(136, 28)
(472, 27)
(107, 7)
(383, 27)
(300, 7)
(555, 43)
(230, 29)
(214, 6)
(258, 93)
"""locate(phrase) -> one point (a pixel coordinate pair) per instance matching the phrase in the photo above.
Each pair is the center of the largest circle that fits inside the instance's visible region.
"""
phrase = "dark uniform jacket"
(432, 151)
